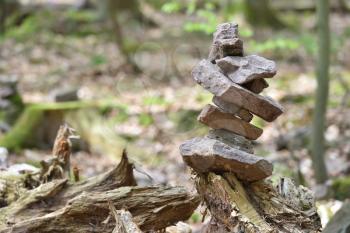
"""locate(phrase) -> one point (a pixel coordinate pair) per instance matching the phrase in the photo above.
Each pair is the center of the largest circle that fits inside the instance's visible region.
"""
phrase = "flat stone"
(233, 109)
(209, 77)
(256, 86)
(225, 47)
(232, 139)
(210, 155)
(217, 119)
(242, 70)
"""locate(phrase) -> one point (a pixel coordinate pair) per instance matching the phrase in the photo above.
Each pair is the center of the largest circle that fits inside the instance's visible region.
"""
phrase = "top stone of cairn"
(226, 42)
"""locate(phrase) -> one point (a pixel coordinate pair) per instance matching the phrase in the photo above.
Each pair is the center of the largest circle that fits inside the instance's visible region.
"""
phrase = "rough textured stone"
(233, 109)
(226, 42)
(206, 155)
(256, 86)
(226, 31)
(217, 119)
(242, 70)
(232, 139)
(208, 76)
(225, 47)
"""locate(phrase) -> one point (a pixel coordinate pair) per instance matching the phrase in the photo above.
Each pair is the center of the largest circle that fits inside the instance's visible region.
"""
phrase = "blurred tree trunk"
(2, 16)
(10, 8)
(322, 72)
(114, 9)
(260, 13)
(344, 6)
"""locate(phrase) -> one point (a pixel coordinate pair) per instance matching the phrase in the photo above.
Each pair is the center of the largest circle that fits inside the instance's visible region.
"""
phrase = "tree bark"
(322, 73)
(260, 13)
(61, 206)
(256, 207)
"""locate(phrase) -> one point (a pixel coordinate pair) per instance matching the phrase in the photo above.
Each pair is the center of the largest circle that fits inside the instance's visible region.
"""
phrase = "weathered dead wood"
(61, 206)
(59, 192)
(153, 208)
(123, 221)
(256, 207)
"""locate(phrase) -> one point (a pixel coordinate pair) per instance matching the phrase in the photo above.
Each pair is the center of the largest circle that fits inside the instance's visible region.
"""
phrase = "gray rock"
(242, 70)
(225, 47)
(226, 31)
(8, 81)
(217, 119)
(233, 109)
(209, 77)
(232, 139)
(225, 42)
(6, 92)
(211, 155)
(64, 94)
(256, 86)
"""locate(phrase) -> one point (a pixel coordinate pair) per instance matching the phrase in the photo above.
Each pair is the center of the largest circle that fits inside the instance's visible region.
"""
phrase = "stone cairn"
(229, 177)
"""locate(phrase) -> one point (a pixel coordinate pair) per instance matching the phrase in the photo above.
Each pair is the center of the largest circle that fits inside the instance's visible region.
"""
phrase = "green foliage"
(258, 122)
(309, 43)
(196, 217)
(98, 59)
(145, 119)
(23, 129)
(171, 7)
(27, 29)
(122, 115)
(185, 120)
(209, 13)
(203, 97)
(81, 16)
(155, 100)
(274, 44)
(341, 188)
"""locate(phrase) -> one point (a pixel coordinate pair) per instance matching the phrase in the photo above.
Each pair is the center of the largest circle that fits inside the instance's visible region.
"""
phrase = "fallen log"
(153, 208)
(59, 205)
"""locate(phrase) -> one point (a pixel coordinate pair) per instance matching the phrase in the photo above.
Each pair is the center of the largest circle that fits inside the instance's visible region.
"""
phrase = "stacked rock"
(235, 81)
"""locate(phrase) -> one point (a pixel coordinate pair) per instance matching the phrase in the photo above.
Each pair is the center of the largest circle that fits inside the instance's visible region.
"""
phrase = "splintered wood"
(109, 202)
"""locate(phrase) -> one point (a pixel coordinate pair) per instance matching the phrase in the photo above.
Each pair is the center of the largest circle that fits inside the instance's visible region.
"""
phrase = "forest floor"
(158, 107)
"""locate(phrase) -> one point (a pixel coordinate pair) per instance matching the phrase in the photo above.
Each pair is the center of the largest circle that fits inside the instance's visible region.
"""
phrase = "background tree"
(322, 72)
(260, 13)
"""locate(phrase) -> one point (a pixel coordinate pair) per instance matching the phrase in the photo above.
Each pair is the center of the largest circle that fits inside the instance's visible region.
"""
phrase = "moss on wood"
(341, 188)
(29, 125)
